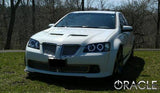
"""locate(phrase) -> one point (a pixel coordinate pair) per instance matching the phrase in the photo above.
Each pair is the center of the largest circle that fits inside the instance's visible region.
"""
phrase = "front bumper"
(105, 62)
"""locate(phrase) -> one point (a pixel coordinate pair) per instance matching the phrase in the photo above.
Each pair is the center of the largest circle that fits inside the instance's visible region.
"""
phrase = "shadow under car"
(131, 72)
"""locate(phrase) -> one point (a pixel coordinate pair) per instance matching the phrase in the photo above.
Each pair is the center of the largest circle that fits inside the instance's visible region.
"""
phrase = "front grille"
(49, 48)
(66, 69)
(68, 50)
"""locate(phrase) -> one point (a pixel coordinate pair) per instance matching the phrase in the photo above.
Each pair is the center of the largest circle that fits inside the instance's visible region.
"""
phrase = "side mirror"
(50, 25)
(127, 28)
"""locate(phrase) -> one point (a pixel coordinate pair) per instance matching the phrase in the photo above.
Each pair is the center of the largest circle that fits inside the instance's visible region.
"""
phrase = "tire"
(132, 53)
(118, 67)
(30, 74)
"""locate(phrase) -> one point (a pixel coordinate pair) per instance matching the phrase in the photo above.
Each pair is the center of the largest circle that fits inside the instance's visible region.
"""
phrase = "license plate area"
(57, 62)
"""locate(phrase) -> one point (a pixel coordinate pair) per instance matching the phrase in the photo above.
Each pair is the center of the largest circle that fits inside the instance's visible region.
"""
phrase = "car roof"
(107, 12)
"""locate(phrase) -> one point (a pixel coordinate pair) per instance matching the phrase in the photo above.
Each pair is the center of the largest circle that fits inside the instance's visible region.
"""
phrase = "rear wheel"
(118, 67)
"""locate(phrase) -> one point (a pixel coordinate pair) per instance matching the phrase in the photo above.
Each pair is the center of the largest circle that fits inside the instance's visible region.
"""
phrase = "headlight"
(33, 44)
(97, 47)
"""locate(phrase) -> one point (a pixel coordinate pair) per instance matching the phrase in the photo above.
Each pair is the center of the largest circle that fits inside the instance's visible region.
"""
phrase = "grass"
(144, 66)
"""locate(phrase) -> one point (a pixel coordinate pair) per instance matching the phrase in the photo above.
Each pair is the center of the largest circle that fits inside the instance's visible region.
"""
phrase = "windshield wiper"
(83, 26)
(62, 26)
(78, 26)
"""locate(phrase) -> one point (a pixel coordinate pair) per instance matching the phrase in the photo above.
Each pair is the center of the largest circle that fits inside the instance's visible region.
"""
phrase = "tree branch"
(17, 4)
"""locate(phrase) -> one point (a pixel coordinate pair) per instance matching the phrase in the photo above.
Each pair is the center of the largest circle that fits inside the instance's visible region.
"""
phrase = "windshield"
(88, 20)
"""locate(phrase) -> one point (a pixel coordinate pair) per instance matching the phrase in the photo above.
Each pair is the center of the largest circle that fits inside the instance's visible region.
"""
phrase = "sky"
(109, 3)
(112, 3)
(116, 2)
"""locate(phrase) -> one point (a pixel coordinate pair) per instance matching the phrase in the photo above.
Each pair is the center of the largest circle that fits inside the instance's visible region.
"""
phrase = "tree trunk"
(3, 2)
(11, 23)
(33, 15)
(158, 26)
(53, 12)
(10, 29)
(82, 5)
(4, 14)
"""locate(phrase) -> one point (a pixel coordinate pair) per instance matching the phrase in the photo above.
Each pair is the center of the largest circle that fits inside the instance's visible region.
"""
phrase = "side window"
(123, 21)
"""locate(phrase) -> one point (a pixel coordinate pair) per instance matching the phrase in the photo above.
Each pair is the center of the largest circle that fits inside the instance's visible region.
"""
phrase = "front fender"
(116, 44)
(115, 47)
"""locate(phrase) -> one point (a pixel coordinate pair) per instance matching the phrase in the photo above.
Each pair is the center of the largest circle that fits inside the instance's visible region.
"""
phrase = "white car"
(90, 44)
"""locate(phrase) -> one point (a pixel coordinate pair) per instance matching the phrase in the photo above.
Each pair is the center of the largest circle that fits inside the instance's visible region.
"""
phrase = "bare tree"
(3, 2)
(156, 19)
(50, 9)
(136, 12)
(158, 26)
(4, 14)
(89, 4)
(53, 10)
(143, 20)
(33, 15)
(102, 4)
(82, 5)
(14, 7)
(74, 4)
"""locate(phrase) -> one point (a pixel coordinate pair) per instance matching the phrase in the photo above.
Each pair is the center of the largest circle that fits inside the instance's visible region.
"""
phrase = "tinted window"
(88, 20)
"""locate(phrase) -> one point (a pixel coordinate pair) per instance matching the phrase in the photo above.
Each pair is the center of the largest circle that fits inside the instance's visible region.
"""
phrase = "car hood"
(82, 36)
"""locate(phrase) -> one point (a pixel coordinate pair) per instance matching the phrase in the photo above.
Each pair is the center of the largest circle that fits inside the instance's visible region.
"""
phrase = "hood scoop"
(78, 35)
(57, 34)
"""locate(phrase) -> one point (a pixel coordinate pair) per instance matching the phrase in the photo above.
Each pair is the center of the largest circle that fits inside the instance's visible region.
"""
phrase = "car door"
(126, 37)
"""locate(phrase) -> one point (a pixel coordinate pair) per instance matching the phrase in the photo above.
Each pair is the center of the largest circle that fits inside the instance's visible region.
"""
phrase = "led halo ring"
(100, 47)
(36, 44)
(32, 43)
(93, 48)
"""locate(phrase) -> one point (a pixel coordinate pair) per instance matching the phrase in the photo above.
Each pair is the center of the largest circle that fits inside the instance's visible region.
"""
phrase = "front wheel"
(132, 53)
(118, 63)
(30, 74)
